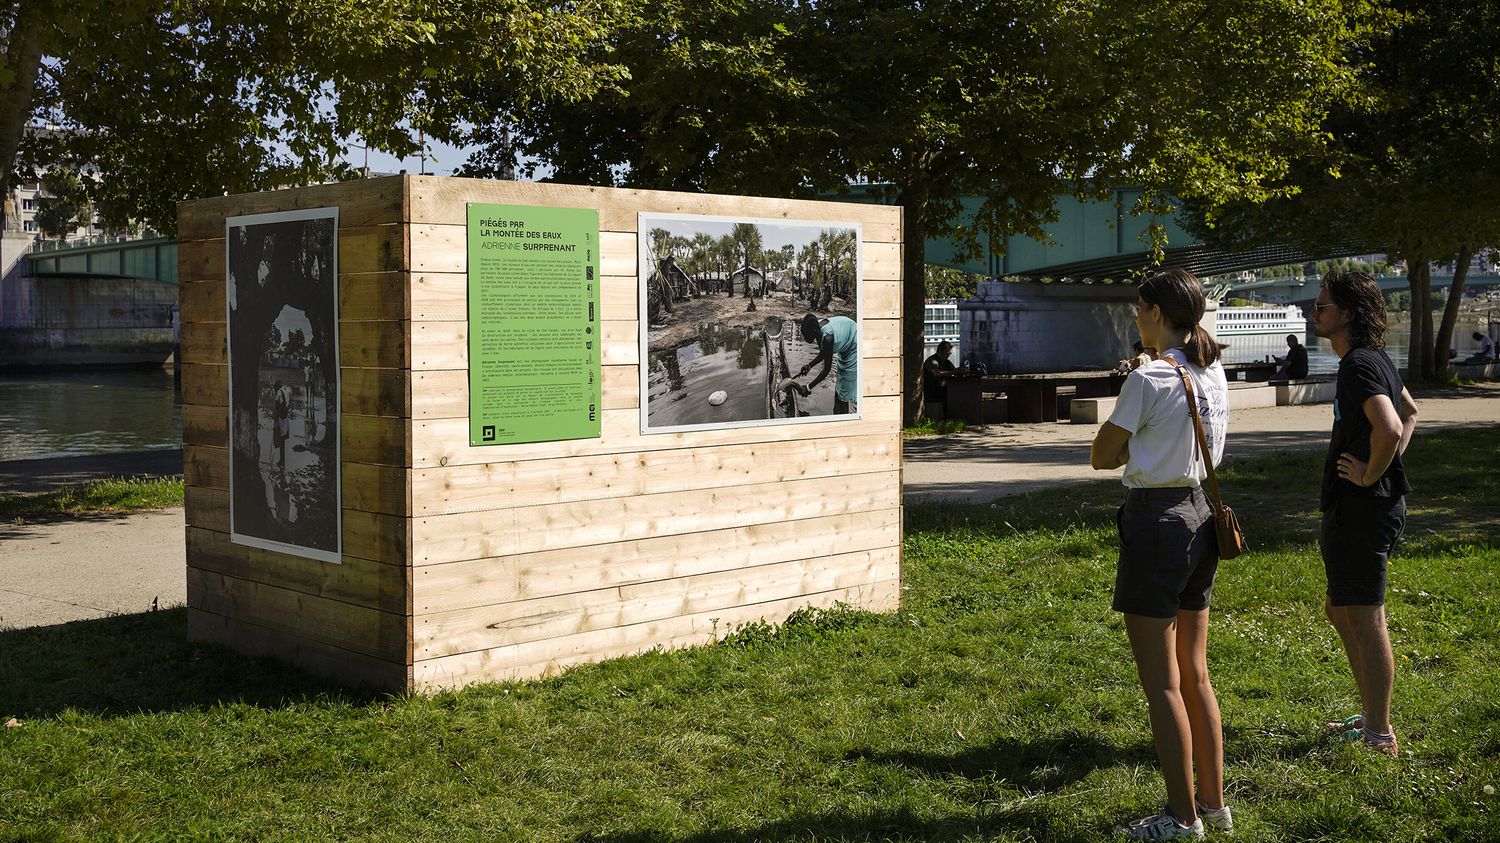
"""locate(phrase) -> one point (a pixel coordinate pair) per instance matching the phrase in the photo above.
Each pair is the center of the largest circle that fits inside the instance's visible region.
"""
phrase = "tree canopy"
(1011, 101)
(154, 101)
(1406, 166)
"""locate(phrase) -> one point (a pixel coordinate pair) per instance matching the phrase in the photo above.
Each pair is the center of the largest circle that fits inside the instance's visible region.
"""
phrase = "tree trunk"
(913, 299)
(1450, 312)
(22, 60)
(1419, 343)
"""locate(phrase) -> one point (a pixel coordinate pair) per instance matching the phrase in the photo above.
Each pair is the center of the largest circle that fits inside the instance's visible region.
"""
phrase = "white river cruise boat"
(1249, 321)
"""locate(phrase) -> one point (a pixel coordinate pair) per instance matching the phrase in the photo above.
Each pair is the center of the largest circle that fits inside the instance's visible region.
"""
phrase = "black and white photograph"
(747, 321)
(284, 382)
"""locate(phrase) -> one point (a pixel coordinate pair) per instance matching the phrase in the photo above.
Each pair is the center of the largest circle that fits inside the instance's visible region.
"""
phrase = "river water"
(1320, 357)
(64, 413)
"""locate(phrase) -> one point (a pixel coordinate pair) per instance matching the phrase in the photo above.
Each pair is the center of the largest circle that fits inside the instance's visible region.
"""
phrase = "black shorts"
(1357, 539)
(1168, 554)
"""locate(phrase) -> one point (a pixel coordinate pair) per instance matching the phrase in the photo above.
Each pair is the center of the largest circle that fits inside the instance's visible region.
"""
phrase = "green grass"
(934, 427)
(999, 704)
(116, 494)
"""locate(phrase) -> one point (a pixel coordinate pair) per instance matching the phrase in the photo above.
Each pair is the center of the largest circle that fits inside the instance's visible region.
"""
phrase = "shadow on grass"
(130, 664)
(1275, 496)
(1020, 820)
(1042, 764)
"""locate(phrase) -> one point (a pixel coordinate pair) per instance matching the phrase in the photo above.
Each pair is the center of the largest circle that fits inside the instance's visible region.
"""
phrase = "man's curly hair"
(1357, 294)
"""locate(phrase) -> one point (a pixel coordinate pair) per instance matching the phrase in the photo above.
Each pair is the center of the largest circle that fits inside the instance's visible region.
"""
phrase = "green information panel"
(533, 324)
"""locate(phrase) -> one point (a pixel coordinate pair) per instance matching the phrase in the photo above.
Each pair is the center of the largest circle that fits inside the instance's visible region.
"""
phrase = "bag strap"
(1200, 442)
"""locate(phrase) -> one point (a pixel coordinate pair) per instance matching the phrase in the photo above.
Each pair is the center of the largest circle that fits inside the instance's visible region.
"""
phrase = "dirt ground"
(681, 325)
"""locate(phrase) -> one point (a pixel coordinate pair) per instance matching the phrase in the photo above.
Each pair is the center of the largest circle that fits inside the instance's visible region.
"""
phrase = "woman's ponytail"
(1179, 294)
(1202, 350)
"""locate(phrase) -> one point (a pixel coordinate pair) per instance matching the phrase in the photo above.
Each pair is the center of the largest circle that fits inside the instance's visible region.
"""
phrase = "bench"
(1241, 397)
(1475, 371)
(1307, 391)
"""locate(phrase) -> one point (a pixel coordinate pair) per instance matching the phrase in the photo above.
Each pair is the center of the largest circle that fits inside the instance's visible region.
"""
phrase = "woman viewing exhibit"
(1168, 552)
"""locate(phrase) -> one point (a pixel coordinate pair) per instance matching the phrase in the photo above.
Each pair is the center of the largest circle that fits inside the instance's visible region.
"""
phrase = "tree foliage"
(63, 205)
(1406, 166)
(1012, 101)
(161, 100)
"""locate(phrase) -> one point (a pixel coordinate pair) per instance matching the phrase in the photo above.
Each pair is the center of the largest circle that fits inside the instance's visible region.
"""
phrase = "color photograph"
(747, 321)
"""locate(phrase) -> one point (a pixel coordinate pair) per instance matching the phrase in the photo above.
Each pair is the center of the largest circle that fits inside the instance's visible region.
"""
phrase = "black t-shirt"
(1296, 362)
(1363, 374)
(935, 388)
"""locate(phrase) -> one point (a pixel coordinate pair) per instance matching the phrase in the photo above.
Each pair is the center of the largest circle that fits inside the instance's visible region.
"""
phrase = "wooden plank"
(535, 659)
(205, 424)
(453, 538)
(504, 485)
(202, 261)
(373, 345)
(374, 296)
(209, 508)
(206, 466)
(443, 297)
(879, 338)
(442, 201)
(437, 442)
(882, 300)
(376, 440)
(484, 582)
(338, 624)
(445, 248)
(378, 248)
(376, 536)
(367, 296)
(375, 392)
(343, 666)
(361, 202)
(444, 394)
(361, 582)
(201, 301)
(882, 376)
(205, 384)
(367, 535)
(445, 345)
(486, 627)
(203, 342)
(881, 261)
(376, 488)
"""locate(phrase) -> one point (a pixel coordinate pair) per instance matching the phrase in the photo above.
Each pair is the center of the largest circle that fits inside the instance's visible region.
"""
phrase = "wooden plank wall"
(529, 558)
(351, 621)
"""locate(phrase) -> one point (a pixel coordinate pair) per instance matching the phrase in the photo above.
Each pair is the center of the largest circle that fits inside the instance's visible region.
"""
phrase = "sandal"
(1353, 721)
(1379, 744)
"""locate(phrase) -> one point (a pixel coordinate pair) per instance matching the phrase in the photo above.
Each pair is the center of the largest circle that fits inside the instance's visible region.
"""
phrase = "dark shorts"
(1357, 539)
(1168, 555)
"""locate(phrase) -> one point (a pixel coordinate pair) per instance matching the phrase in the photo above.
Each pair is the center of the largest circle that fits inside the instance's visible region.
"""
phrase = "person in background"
(1142, 356)
(1486, 351)
(837, 339)
(1168, 552)
(936, 370)
(1294, 364)
(1364, 493)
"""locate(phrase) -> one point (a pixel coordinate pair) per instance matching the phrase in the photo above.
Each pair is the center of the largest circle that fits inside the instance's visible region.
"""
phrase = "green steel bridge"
(153, 259)
(1098, 239)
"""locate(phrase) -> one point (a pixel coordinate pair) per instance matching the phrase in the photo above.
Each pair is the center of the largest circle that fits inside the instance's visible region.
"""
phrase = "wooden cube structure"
(465, 564)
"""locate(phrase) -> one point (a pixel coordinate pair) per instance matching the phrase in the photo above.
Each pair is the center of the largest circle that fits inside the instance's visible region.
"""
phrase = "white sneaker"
(1220, 820)
(1163, 826)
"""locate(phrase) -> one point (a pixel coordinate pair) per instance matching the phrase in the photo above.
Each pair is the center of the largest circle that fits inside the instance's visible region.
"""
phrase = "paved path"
(91, 567)
(1009, 459)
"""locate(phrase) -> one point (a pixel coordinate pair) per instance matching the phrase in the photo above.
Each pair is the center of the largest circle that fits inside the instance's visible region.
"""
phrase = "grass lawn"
(116, 494)
(999, 704)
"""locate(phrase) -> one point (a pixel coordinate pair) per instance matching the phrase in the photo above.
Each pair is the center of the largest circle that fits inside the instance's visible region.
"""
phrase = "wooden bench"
(1033, 398)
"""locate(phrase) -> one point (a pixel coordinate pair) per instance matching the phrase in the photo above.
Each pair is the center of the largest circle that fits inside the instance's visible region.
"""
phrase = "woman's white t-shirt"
(1153, 407)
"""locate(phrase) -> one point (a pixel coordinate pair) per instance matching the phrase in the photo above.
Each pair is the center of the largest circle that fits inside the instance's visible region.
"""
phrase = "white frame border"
(642, 271)
(246, 220)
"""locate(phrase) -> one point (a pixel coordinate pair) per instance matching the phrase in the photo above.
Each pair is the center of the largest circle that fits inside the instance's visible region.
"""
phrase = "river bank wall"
(86, 321)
